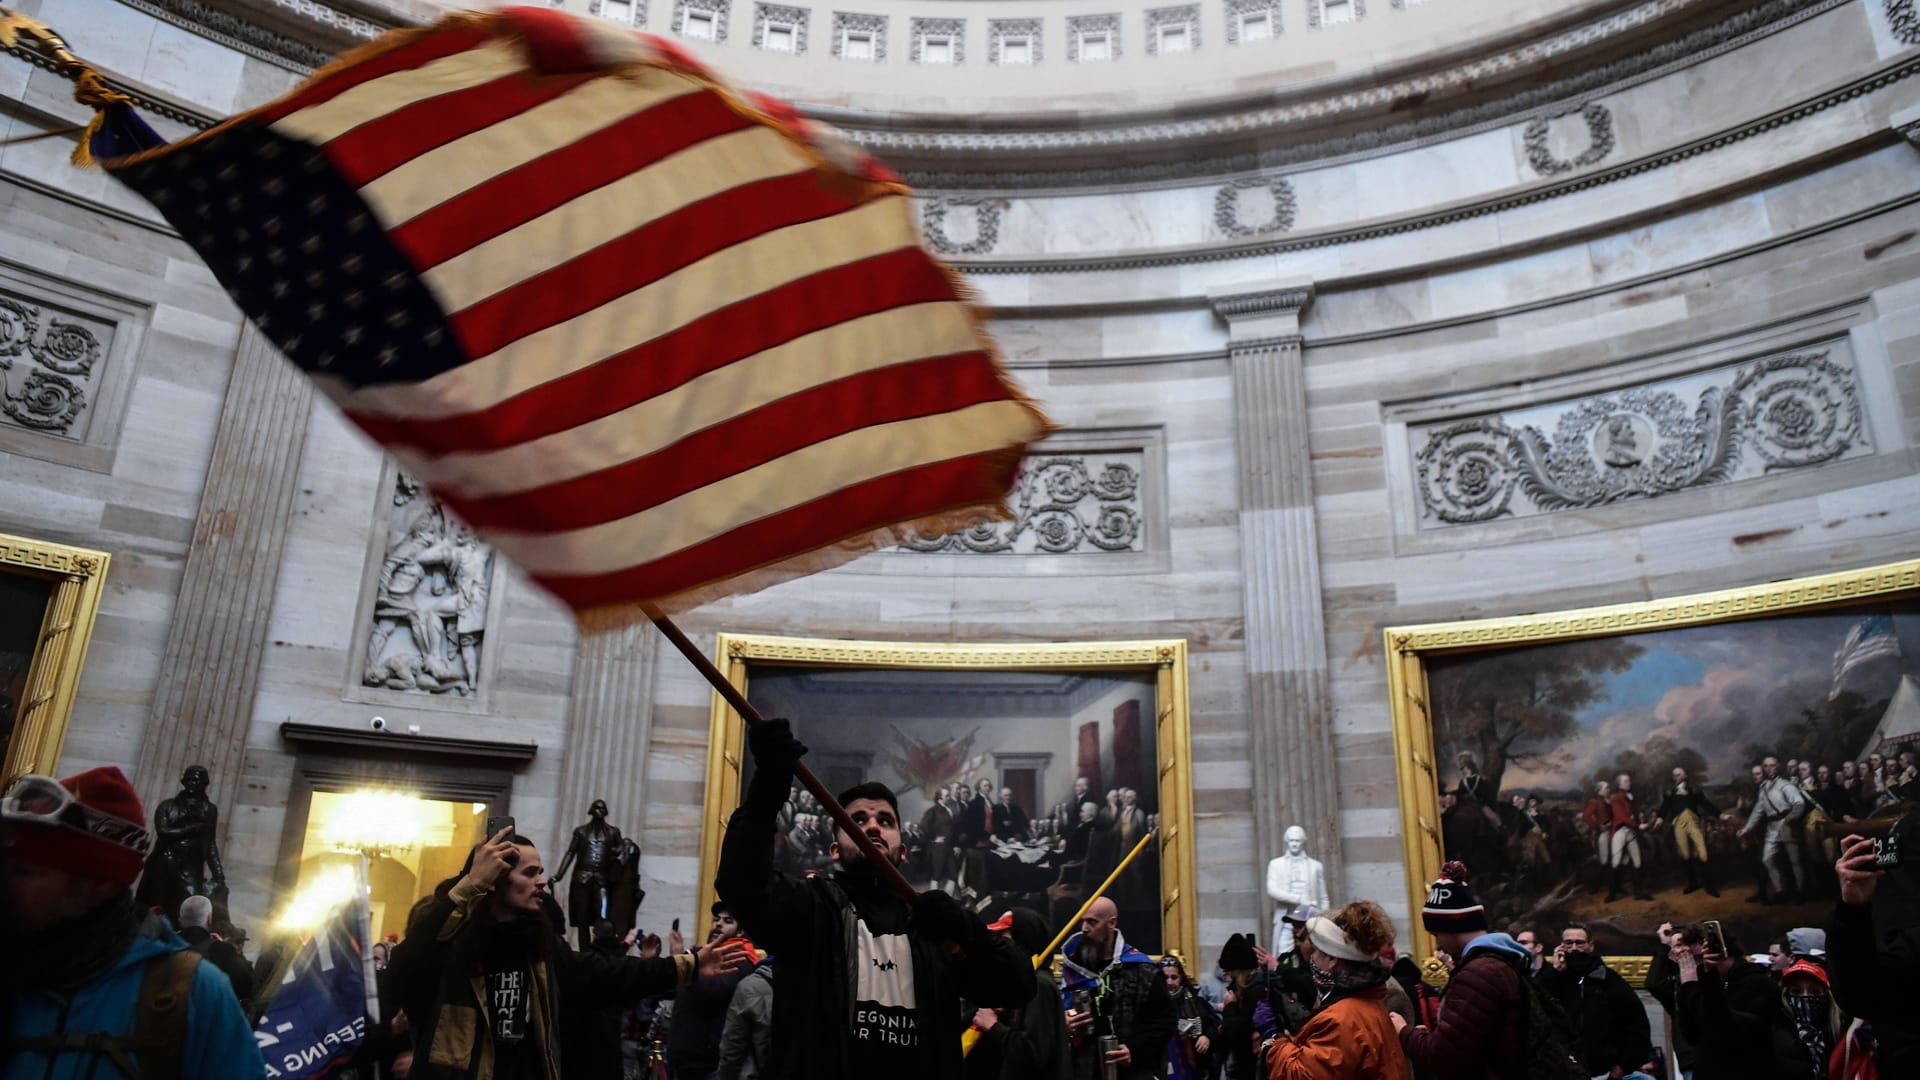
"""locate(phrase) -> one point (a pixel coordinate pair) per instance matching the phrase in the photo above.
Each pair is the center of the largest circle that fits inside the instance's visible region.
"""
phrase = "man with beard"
(1112, 988)
(488, 984)
(869, 985)
(85, 971)
(700, 1010)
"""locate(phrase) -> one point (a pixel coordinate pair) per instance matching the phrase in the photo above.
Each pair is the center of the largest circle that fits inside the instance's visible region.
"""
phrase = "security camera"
(378, 723)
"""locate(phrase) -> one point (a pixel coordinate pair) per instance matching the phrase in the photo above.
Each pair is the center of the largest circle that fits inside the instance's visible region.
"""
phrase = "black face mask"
(1581, 963)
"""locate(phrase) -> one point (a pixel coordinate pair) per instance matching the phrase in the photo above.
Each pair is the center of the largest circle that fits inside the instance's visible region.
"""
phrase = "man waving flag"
(658, 341)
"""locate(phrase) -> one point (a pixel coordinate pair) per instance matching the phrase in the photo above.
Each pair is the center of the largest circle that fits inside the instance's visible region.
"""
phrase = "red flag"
(657, 341)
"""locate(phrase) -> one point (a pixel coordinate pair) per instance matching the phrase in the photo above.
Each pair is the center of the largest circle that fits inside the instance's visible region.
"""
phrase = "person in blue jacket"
(92, 988)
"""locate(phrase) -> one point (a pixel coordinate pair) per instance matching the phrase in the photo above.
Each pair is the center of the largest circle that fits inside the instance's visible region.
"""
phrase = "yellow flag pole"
(971, 1036)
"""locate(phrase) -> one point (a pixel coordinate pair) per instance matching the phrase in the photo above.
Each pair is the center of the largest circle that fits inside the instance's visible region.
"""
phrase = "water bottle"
(1108, 1044)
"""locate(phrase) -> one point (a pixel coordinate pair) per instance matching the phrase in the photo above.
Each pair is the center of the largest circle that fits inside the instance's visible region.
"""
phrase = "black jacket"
(808, 924)
(1874, 978)
(1607, 1014)
(225, 957)
(1130, 993)
(1739, 1027)
(1027, 1043)
(437, 975)
(699, 1019)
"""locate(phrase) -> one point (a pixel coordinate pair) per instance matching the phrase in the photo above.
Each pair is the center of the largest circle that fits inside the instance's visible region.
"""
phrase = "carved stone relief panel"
(1063, 504)
(1791, 410)
(1324, 13)
(1568, 141)
(65, 365)
(430, 606)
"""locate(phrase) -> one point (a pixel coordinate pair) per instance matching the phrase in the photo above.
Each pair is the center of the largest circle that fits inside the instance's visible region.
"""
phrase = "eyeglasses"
(42, 800)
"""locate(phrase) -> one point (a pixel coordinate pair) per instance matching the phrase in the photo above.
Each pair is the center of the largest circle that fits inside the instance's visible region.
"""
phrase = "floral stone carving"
(1791, 411)
(48, 367)
(1540, 155)
(430, 610)
(1062, 504)
(1226, 206)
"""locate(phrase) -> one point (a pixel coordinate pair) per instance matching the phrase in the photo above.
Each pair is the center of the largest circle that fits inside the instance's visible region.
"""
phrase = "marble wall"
(1732, 217)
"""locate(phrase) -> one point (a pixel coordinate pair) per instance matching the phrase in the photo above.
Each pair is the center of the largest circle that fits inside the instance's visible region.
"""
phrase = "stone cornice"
(1276, 245)
(1368, 120)
(1236, 136)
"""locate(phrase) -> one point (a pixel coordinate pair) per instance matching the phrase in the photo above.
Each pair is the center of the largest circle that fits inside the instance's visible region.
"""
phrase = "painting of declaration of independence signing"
(1016, 789)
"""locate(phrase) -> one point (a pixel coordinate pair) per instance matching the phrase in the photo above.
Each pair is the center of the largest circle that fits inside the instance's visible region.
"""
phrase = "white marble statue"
(1296, 881)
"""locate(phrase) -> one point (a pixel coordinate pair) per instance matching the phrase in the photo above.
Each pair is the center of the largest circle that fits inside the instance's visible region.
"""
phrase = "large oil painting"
(1018, 785)
(49, 595)
(1704, 767)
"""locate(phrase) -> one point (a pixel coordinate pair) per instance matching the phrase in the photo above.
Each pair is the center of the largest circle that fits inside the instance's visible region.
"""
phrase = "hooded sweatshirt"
(1131, 994)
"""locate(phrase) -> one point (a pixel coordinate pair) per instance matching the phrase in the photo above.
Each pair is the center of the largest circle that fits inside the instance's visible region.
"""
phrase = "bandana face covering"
(1810, 1015)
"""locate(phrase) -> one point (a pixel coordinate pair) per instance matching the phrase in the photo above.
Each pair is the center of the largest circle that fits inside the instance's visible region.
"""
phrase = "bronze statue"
(186, 857)
(597, 845)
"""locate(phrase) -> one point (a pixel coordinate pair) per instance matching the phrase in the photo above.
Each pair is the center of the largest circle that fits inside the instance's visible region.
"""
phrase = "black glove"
(940, 917)
(774, 746)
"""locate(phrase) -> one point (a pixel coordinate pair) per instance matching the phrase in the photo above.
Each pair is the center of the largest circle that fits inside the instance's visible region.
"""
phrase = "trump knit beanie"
(1451, 907)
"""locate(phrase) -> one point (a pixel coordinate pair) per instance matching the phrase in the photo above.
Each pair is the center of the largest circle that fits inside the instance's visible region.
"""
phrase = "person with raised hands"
(486, 982)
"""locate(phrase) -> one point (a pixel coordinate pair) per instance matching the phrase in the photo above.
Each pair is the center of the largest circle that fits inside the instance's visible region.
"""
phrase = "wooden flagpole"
(751, 715)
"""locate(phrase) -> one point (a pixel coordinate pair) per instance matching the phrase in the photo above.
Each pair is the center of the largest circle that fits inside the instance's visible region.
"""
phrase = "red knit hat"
(76, 851)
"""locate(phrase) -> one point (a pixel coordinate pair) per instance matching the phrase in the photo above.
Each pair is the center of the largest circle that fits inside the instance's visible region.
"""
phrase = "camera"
(378, 723)
(1886, 852)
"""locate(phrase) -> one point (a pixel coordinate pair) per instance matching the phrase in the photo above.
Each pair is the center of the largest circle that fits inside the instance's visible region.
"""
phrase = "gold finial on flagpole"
(29, 34)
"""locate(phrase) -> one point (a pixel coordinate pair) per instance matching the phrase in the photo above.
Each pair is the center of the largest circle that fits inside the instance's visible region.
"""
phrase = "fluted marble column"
(1289, 705)
(210, 672)
(609, 720)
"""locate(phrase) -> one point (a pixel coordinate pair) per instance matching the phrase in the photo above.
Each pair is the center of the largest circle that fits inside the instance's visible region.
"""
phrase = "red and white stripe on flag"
(700, 342)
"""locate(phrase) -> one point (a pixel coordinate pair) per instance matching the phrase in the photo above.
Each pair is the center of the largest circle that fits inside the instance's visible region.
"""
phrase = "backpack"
(159, 1024)
(1546, 1031)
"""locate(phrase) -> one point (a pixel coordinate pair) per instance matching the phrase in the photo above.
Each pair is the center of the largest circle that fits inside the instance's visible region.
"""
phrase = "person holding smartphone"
(1873, 940)
(1731, 1011)
(487, 983)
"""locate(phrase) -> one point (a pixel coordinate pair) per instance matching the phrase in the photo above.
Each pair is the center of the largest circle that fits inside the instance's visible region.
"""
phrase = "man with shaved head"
(1112, 988)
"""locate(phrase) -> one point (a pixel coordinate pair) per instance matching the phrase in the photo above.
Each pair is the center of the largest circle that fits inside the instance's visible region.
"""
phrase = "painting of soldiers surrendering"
(1703, 771)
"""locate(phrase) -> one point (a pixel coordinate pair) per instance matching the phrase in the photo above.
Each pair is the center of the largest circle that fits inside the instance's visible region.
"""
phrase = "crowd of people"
(836, 972)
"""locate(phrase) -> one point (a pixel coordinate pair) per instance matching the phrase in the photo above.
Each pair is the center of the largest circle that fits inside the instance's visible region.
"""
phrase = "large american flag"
(645, 333)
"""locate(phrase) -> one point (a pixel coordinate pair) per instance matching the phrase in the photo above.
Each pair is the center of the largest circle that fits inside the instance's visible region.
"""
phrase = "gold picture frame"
(1410, 651)
(739, 654)
(75, 578)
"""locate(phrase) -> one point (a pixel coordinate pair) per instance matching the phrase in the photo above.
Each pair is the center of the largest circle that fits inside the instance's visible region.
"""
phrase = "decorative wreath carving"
(1599, 141)
(1226, 206)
